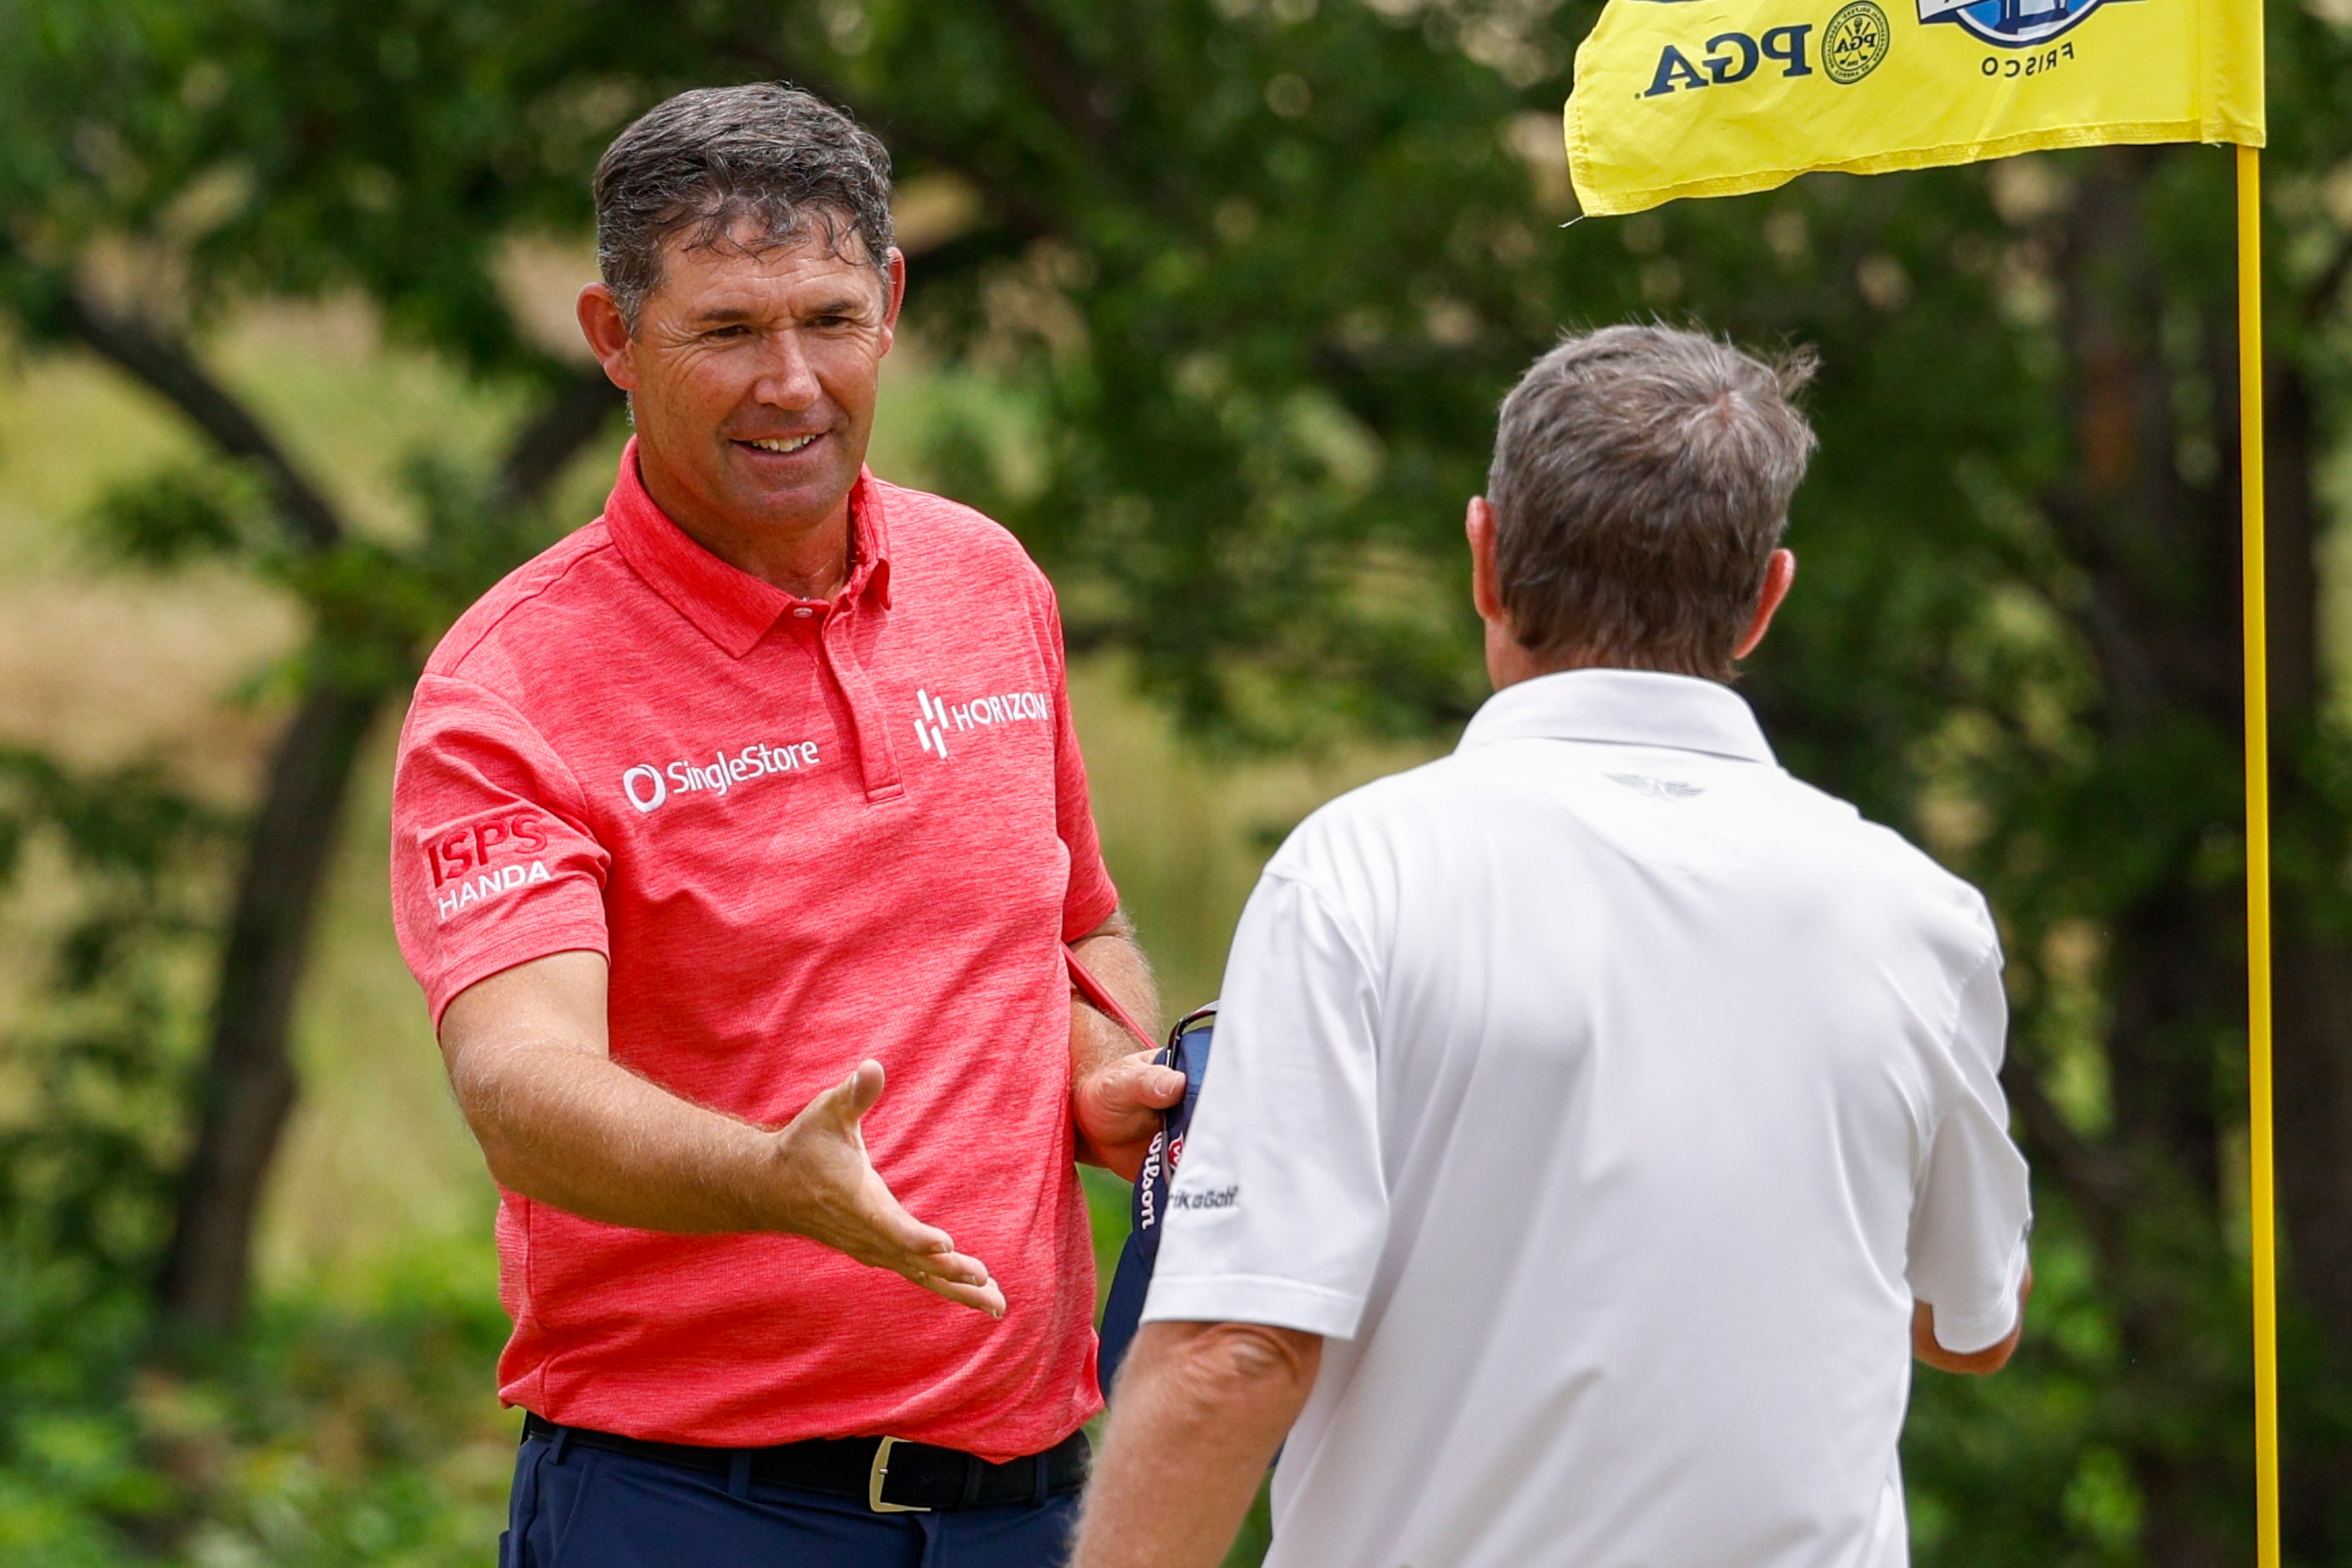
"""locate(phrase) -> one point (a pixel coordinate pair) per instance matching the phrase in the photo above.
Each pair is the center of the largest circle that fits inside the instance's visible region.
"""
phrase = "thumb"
(847, 1103)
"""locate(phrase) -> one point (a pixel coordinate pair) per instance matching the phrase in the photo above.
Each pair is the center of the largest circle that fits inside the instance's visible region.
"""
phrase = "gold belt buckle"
(875, 1478)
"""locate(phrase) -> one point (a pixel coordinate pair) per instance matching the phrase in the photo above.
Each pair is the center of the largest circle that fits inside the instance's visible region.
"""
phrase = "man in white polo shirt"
(1601, 1119)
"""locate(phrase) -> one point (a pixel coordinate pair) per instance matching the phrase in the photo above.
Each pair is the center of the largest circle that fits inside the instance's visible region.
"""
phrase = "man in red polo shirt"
(755, 794)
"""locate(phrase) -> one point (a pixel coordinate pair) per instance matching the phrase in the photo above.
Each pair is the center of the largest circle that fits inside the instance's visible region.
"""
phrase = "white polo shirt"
(1605, 1096)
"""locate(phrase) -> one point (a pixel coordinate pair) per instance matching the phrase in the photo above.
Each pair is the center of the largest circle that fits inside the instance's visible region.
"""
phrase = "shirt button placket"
(877, 761)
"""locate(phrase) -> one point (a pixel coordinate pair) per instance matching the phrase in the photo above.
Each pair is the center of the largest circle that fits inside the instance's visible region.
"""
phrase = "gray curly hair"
(705, 161)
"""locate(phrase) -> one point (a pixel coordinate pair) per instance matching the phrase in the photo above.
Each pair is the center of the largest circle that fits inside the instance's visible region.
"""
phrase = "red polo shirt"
(803, 834)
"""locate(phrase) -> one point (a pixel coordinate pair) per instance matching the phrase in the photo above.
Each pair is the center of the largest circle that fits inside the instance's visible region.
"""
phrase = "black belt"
(891, 1475)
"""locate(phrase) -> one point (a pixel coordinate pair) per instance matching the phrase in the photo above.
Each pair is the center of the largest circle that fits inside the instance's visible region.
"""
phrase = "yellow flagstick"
(2260, 1188)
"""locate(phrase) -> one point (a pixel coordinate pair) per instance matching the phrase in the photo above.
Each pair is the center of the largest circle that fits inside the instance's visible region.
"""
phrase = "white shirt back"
(1604, 1096)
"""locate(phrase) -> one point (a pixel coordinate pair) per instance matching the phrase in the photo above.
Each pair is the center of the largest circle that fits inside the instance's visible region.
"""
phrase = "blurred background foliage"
(1212, 303)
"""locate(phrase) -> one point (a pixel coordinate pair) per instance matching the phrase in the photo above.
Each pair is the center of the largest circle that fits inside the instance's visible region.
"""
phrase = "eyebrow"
(735, 315)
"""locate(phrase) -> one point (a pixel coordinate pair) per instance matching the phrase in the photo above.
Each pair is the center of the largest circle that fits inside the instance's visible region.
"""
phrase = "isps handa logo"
(476, 861)
(1849, 47)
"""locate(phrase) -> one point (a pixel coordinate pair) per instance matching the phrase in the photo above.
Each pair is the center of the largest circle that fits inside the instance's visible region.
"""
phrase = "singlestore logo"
(647, 786)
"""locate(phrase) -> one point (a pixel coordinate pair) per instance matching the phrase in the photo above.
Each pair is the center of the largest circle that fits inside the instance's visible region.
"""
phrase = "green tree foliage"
(1246, 279)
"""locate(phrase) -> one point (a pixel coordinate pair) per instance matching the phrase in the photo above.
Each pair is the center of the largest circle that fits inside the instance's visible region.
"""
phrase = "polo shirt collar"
(730, 606)
(1625, 707)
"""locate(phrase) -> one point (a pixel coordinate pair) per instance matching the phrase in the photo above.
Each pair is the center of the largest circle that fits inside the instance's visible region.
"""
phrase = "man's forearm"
(1100, 1049)
(1201, 1407)
(559, 1122)
(588, 1136)
(1112, 956)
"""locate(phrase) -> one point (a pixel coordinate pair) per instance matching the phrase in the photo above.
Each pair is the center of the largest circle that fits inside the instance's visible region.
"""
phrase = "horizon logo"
(647, 786)
(937, 716)
(931, 728)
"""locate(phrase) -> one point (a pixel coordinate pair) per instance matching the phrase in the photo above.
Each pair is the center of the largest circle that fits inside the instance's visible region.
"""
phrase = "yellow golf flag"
(1715, 98)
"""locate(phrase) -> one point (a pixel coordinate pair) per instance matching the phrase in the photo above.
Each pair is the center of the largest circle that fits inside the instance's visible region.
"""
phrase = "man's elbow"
(481, 1081)
(1225, 1365)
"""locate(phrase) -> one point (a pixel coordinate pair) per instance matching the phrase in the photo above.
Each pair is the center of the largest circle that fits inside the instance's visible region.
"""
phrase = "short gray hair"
(705, 161)
(1641, 482)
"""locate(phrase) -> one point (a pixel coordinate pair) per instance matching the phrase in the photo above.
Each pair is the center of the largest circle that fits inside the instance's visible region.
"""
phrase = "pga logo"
(1730, 58)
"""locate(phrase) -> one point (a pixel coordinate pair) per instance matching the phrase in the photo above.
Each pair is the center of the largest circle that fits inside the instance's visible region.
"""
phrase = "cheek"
(699, 383)
(849, 373)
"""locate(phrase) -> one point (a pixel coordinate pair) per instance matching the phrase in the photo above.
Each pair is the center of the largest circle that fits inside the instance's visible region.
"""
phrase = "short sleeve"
(492, 861)
(1973, 1207)
(1091, 898)
(1278, 1213)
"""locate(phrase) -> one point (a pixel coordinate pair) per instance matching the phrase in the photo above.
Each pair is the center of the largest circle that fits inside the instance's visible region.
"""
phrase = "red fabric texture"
(803, 834)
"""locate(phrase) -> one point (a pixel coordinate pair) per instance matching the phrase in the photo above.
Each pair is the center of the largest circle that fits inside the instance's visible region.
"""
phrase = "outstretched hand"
(832, 1195)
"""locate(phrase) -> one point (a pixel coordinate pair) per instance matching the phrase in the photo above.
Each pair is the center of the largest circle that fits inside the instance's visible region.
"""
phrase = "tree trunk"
(248, 1087)
(246, 1092)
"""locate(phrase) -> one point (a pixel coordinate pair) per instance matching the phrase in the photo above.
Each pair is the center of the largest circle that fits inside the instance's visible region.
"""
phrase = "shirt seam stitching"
(578, 793)
(457, 661)
(1358, 944)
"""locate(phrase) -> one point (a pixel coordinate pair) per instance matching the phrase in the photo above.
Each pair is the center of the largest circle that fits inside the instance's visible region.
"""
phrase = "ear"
(608, 335)
(897, 267)
(1779, 576)
(1485, 586)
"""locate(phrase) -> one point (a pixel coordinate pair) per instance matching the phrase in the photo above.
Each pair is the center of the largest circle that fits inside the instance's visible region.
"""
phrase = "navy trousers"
(583, 1508)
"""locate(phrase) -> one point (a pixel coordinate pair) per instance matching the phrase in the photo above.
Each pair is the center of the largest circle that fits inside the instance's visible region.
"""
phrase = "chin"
(809, 501)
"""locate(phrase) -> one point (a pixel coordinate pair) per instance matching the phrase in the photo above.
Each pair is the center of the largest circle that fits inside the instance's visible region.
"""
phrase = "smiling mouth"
(781, 443)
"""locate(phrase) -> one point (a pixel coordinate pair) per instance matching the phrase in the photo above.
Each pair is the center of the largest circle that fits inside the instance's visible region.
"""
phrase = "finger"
(954, 1268)
(1134, 1083)
(984, 1298)
(1163, 1087)
(892, 1223)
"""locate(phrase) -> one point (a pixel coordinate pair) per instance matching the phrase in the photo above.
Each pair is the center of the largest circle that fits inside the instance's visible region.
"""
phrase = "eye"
(736, 329)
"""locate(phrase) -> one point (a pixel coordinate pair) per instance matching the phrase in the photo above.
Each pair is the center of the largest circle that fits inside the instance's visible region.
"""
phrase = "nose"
(786, 378)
